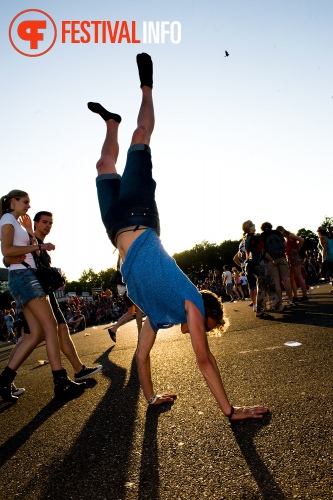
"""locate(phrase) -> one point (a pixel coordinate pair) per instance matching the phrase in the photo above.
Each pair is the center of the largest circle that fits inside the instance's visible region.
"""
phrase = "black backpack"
(275, 246)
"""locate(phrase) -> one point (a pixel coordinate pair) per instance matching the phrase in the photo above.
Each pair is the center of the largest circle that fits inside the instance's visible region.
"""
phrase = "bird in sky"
(226, 53)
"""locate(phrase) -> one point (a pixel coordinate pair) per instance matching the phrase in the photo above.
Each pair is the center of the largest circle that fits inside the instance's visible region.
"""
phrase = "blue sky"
(237, 138)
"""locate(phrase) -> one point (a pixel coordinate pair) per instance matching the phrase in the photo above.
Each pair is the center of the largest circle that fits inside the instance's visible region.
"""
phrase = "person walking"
(43, 223)
(30, 296)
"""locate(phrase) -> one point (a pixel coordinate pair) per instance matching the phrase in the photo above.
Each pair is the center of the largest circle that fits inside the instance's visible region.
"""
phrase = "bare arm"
(209, 369)
(10, 250)
(14, 260)
(299, 239)
(146, 341)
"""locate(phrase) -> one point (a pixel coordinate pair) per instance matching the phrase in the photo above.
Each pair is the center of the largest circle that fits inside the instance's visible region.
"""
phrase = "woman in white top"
(29, 295)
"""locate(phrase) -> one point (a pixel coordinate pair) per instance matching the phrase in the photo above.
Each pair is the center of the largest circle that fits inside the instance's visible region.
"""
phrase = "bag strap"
(25, 264)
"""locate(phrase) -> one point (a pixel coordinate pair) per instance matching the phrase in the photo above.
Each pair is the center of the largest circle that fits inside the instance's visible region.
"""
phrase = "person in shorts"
(130, 216)
(277, 264)
(29, 295)
(43, 222)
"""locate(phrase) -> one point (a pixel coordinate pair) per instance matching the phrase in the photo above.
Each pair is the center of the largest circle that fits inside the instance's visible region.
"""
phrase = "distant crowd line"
(269, 263)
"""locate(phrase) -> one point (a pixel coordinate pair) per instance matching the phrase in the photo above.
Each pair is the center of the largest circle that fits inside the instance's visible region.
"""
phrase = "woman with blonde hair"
(29, 295)
(294, 244)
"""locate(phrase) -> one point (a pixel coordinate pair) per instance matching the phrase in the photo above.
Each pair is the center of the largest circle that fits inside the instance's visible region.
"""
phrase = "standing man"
(278, 266)
(43, 222)
(228, 283)
(325, 247)
(154, 281)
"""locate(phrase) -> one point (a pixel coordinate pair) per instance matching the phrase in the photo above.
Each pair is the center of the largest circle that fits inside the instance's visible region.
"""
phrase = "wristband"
(232, 411)
(152, 400)
(40, 247)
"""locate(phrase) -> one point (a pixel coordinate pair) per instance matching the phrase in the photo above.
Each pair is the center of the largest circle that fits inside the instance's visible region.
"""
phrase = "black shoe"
(304, 299)
(112, 335)
(87, 372)
(295, 299)
(66, 388)
(6, 392)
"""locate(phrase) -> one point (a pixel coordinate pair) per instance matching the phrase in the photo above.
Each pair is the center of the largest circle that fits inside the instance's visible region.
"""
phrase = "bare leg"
(125, 317)
(146, 341)
(110, 150)
(68, 348)
(138, 318)
(146, 117)
(296, 272)
(24, 348)
(39, 311)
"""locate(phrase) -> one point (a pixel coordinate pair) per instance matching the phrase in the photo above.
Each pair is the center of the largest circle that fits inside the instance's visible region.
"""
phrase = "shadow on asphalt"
(245, 432)
(100, 458)
(5, 353)
(318, 311)
(149, 475)
(10, 447)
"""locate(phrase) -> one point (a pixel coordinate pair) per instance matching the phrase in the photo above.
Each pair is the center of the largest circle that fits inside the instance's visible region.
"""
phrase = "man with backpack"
(275, 246)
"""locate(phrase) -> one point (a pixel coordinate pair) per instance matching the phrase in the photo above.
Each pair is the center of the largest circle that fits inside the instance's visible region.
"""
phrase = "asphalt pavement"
(107, 444)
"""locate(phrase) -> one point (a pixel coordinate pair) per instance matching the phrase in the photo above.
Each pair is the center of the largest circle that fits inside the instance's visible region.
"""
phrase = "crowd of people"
(300, 268)
(104, 308)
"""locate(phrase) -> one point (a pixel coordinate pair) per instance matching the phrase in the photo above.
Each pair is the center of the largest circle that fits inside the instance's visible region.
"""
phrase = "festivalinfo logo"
(33, 32)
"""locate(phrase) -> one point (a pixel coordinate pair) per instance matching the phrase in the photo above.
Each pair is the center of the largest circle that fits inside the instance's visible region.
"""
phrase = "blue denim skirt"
(24, 286)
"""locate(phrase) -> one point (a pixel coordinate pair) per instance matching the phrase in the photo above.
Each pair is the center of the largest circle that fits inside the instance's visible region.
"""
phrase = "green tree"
(227, 250)
(89, 280)
(311, 239)
(328, 223)
(73, 286)
(205, 256)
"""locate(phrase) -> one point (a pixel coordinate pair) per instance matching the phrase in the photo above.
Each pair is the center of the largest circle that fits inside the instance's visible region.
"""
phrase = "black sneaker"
(66, 388)
(87, 372)
(295, 299)
(112, 335)
(304, 299)
(17, 391)
(6, 393)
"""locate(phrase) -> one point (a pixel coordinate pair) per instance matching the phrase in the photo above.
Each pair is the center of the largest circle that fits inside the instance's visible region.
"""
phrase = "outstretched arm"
(209, 369)
(146, 341)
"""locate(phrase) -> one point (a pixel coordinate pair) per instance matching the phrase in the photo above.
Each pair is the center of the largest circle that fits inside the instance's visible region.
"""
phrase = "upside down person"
(130, 215)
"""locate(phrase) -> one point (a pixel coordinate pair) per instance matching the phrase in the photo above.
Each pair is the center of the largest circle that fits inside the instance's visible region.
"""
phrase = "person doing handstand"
(130, 215)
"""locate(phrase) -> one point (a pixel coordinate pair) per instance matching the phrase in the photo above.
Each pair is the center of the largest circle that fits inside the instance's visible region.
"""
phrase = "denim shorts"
(24, 286)
(129, 200)
(56, 311)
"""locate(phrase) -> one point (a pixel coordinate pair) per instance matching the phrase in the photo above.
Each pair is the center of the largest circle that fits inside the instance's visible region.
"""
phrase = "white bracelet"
(152, 400)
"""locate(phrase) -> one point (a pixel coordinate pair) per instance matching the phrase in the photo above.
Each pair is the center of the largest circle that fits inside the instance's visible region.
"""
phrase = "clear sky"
(247, 136)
